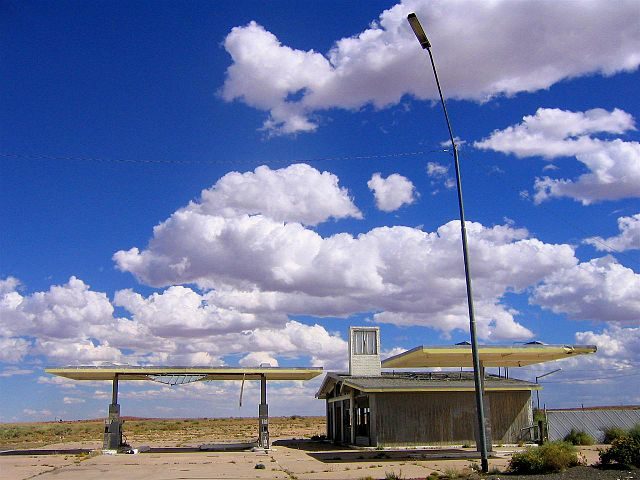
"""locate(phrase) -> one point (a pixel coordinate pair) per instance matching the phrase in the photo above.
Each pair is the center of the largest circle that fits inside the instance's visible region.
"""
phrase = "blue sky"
(238, 182)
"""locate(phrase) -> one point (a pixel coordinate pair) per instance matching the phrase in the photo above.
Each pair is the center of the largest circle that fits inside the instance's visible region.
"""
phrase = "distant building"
(370, 407)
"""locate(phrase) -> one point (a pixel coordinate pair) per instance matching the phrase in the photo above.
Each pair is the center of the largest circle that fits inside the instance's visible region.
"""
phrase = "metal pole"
(114, 391)
(422, 38)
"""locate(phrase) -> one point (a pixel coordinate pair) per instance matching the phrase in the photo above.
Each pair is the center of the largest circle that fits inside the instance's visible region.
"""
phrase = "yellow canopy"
(127, 372)
(490, 355)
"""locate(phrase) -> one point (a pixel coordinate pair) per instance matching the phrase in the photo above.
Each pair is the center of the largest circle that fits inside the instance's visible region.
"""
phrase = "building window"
(365, 342)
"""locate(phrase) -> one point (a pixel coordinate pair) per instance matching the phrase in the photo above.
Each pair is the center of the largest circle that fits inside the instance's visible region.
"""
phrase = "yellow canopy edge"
(490, 355)
(127, 372)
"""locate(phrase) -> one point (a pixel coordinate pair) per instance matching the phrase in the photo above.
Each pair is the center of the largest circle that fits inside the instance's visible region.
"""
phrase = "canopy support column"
(263, 414)
(113, 425)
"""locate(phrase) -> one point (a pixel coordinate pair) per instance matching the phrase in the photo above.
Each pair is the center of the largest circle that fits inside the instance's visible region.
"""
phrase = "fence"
(592, 421)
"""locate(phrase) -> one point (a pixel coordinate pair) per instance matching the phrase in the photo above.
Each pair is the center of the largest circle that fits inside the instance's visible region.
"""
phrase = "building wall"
(446, 417)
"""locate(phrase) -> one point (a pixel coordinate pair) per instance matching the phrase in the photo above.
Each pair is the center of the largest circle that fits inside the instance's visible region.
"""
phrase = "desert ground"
(73, 452)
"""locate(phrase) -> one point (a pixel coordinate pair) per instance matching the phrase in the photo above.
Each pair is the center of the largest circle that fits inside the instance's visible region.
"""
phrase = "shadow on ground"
(329, 453)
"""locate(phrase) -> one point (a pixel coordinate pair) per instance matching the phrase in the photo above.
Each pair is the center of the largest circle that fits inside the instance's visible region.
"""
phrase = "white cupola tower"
(364, 351)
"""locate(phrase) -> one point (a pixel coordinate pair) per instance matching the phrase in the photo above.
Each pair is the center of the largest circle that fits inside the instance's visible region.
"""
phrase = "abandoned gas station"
(371, 407)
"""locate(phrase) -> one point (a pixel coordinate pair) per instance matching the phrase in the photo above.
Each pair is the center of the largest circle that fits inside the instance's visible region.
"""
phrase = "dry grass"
(157, 431)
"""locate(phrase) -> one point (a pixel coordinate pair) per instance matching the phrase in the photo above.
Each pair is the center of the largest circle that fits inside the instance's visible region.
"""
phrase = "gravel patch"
(576, 473)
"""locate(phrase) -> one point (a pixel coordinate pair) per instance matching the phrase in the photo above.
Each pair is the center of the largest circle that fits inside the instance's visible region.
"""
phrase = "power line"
(377, 156)
(215, 162)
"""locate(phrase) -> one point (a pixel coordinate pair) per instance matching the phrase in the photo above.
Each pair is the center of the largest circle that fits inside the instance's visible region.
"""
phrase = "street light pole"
(425, 44)
(540, 376)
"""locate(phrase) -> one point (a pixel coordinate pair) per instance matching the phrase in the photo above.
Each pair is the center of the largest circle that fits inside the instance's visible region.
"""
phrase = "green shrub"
(576, 437)
(634, 432)
(624, 450)
(613, 433)
(550, 457)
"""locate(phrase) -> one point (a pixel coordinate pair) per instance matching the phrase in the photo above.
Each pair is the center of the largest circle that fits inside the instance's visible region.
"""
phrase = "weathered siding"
(446, 417)
(511, 413)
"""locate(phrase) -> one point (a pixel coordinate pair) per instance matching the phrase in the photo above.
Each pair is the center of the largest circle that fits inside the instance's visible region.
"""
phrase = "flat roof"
(490, 355)
(128, 372)
(423, 382)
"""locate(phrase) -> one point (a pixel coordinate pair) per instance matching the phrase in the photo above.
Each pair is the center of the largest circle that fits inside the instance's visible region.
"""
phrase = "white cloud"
(628, 239)
(600, 289)
(618, 347)
(436, 170)
(605, 378)
(263, 269)
(8, 285)
(440, 174)
(62, 311)
(13, 350)
(180, 311)
(297, 193)
(77, 351)
(532, 47)
(41, 414)
(255, 359)
(62, 382)
(13, 371)
(72, 400)
(613, 165)
(392, 192)
(178, 326)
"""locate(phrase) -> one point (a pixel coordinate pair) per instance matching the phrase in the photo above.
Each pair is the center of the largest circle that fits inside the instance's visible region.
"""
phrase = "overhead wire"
(376, 156)
(223, 161)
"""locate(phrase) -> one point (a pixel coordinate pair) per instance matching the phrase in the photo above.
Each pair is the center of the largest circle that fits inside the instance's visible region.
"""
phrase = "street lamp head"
(418, 30)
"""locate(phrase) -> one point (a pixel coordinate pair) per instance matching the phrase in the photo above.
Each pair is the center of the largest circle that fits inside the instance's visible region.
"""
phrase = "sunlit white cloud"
(392, 192)
(256, 271)
(600, 289)
(613, 165)
(533, 47)
(627, 239)
(297, 193)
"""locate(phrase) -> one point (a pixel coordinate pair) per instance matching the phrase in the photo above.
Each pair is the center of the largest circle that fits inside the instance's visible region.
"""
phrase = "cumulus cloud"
(13, 350)
(601, 379)
(618, 343)
(533, 46)
(628, 239)
(392, 192)
(177, 326)
(600, 289)
(255, 359)
(297, 193)
(253, 267)
(234, 277)
(613, 165)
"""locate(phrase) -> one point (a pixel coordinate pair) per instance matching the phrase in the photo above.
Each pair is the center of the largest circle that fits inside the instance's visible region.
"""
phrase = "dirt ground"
(288, 459)
(175, 454)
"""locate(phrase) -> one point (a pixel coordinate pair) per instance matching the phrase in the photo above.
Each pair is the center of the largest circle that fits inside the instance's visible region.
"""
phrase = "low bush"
(634, 432)
(550, 457)
(613, 433)
(624, 450)
(576, 437)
